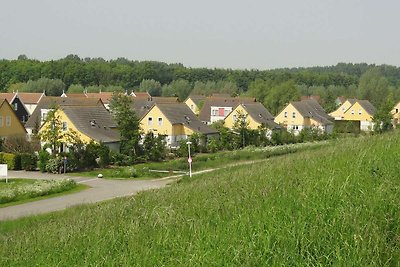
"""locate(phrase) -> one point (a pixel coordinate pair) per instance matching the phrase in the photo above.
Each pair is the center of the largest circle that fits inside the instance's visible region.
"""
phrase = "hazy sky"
(204, 33)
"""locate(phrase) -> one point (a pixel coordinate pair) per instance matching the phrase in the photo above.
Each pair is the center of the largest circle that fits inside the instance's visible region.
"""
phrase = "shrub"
(7, 158)
(28, 162)
(44, 157)
(17, 162)
(54, 165)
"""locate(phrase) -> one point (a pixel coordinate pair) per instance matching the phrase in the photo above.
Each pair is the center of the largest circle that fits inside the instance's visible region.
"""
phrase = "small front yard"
(18, 191)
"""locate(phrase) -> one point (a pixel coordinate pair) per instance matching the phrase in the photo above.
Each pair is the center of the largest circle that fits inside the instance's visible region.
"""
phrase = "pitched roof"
(197, 98)
(104, 96)
(180, 113)
(143, 105)
(260, 114)
(205, 112)
(311, 109)
(51, 101)
(94, 121)
(367, 106)
(9, 96)
(309, 97)
(74, 95)
(30, 98)
(140, 94)
(5, 101)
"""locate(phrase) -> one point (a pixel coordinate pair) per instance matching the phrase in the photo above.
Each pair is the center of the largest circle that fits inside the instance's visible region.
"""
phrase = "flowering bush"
(36, 189)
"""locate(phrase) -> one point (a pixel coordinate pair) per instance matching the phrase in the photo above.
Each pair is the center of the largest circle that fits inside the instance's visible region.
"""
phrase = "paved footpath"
(101, 189)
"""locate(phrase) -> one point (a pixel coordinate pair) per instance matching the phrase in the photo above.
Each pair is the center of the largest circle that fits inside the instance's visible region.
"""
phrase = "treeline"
(274, 88)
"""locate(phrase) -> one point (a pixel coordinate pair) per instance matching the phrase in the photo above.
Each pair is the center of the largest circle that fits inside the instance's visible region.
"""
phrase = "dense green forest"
(274, 88)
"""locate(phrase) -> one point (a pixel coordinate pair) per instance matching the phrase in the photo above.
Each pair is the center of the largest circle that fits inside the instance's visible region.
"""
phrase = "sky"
(252, 34)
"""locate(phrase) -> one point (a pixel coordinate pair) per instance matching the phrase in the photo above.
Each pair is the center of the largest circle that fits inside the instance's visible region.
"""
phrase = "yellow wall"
(229, 122)
(189, 102)
(15, 128)
(165, 129)
(396, 115)
(339, 113)
(299, 120)
(71, 127)
(364, 116)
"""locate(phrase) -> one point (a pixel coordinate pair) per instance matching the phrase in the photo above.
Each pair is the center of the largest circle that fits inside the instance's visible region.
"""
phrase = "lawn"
(336, 205)
(18, 191)
(200, 162)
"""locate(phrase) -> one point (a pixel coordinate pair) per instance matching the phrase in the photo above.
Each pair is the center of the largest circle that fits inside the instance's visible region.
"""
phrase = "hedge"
(7, 158)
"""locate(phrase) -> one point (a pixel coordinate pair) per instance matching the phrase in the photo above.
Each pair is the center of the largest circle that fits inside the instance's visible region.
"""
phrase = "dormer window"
(92, 123)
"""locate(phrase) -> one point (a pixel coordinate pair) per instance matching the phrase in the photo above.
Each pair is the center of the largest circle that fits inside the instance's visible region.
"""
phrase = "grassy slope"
(336, 205)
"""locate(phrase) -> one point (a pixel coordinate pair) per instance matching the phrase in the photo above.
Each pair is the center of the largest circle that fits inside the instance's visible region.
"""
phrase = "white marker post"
(189, 159)
(3, 171)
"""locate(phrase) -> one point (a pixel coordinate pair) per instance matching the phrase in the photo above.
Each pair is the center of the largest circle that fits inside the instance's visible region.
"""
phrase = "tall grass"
(333, 206)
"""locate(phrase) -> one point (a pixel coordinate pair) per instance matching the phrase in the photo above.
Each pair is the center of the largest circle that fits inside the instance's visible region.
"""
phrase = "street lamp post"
(189, 159)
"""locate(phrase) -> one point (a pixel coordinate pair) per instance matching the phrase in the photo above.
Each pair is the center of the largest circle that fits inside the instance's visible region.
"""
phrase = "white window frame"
(160, 121)
(359, 112)
(285, 114)
(150, 121)
(293, 115)
(64, 126)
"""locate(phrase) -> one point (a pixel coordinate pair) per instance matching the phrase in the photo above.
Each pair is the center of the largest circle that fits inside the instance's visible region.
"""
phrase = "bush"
(28, 162)
(7, 158)
(17, 162)
(54, 165)
(44, 157)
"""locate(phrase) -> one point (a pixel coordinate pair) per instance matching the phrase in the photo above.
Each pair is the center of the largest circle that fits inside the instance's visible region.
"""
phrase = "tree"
(154, 147)
(53, 87)
(280, 96)
(241, 127)
(128, 123)
(180, 88)
(373, 86)
(383, 118)
(151, 86)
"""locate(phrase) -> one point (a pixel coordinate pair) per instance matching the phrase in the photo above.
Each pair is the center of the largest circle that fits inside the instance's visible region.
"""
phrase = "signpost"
(3, 171)
(189, 159)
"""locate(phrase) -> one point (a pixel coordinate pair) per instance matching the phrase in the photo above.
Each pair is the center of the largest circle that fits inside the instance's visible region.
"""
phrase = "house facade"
(195, 103)
(10, 125)
(18, 106)
(256, 115)
(88, 123)
(338, 114)
(396, 114)
(299, 115)
(362, 111)
(175, 121)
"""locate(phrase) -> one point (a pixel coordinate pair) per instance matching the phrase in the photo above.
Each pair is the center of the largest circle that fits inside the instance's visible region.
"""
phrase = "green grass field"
(337, 205)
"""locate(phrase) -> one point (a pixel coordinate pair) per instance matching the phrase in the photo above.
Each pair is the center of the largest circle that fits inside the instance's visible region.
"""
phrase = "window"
(397, 110)
(159, 121)
(359, 112)
(64, 126)
(293, 115)
(1, 121)
(150, 121)
(352, 111)
(221, 112)
(191, 107)
(15, 106)
(234, 117)
(214, 112)
(285, 114)
(8, 121)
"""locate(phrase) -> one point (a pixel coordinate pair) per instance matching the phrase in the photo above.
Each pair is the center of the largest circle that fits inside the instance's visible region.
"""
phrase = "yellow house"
(90, 123)
(339, 113)
(174, 120)
(195, 103)
(396, 114)
(255, 114)
(304, 114)
(362, 111)
(10, 125)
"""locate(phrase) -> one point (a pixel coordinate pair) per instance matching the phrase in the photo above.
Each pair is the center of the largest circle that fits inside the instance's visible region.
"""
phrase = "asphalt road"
(101, 189)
